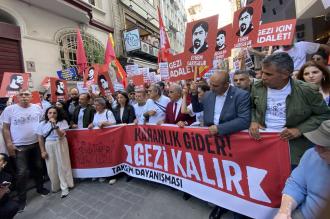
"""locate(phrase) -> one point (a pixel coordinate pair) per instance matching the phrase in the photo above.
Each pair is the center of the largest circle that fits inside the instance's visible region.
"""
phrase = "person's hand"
(151, 112)
(254, 130)
(185, 90)
(44, 155)
(74, 126)
(213, 129)
(11, 150)
(90, 89)
(102, 124)
(160, 122)
(90, 126)
(193, 88)
(281, 215)
(289, 134)
(182, 124)
(4, 190)
(52, 120)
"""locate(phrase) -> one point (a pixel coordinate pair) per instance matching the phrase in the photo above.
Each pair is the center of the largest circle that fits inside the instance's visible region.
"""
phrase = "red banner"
(234, 172)
(276, 33)
(12, 83)
(246, 24)
(58, 89)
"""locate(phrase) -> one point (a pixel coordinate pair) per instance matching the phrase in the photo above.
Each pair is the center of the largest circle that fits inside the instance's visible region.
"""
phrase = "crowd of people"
(295, 105)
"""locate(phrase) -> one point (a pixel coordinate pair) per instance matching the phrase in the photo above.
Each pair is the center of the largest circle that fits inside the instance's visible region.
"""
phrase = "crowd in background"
(290, 94)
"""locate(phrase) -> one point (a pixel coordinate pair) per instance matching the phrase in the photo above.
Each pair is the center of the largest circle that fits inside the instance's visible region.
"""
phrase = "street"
(125, 200)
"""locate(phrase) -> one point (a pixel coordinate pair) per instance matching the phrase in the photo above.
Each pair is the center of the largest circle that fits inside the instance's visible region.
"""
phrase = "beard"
(243, 27)
(197, 43)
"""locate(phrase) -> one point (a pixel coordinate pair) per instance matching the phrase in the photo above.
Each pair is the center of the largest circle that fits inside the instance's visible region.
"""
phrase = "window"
(68, 46)
(92, 2)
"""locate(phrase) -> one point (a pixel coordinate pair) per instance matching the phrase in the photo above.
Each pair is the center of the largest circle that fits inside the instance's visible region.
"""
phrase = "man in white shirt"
(140, 107)
(156, 105)
(20, 122)
(299, 51)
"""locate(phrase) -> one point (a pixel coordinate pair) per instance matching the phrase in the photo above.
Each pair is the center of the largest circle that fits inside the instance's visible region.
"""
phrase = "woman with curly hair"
(54, 149)
(314, 73)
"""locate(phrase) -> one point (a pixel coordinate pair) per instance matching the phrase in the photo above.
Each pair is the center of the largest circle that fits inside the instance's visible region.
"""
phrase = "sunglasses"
(24, 94)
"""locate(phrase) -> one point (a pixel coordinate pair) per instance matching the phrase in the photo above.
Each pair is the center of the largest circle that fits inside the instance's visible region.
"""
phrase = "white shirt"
(199, 116)
(159, 106)
(23, 123)
(299, 51)
(276, 107)
(139, 111)
(219, 102)
(44, 128)
(80, 118)
(178, 107)
(106, 116)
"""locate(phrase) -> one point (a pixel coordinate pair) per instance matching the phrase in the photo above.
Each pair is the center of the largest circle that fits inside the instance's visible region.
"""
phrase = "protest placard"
(200, 42)
(246, 24)
(58, 89)
(12, 83)
(276, 33)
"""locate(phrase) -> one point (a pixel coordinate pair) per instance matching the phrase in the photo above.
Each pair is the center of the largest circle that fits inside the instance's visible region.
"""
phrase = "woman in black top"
(124, 112)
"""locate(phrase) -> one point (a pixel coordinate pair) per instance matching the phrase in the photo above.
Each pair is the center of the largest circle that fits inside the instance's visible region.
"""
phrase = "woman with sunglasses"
(314, 73)
(54, 149)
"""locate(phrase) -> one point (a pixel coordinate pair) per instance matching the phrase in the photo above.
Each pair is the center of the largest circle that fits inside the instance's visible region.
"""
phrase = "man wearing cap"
(307, 190)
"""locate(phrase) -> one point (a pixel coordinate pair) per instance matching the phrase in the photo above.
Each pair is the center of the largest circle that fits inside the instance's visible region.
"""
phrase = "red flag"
(81, 55)
(164, 50)
(109, 54)
(121, 74)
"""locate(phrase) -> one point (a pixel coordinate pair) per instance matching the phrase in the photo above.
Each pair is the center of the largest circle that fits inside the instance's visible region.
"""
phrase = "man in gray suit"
(226, 111)
(226, 108)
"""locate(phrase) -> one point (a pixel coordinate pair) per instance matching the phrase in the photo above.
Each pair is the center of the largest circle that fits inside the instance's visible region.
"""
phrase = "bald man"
(226, 111)
(226, 108)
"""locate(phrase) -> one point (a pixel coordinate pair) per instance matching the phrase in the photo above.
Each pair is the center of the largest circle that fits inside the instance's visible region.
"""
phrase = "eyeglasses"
(171, 92)
(316, 59)
(24, 94)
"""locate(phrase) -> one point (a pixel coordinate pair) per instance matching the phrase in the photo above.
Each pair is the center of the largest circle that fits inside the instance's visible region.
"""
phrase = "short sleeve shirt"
(44, 127)
(23, 123)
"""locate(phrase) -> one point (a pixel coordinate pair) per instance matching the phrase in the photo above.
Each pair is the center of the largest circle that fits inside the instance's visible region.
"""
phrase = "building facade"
(39, 36)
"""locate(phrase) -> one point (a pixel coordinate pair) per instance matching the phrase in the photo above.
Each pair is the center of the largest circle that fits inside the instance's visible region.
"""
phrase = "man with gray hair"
(173, 109)
(289, 106)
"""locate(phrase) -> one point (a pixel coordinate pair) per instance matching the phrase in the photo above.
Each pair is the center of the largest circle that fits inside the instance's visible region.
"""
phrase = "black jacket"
(128, 114)
(88, 115)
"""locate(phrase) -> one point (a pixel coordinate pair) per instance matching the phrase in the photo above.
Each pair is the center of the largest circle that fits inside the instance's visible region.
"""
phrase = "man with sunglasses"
(307, 190)
(19, 130)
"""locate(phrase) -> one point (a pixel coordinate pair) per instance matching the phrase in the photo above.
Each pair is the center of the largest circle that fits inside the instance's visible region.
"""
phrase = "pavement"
(123, 200)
